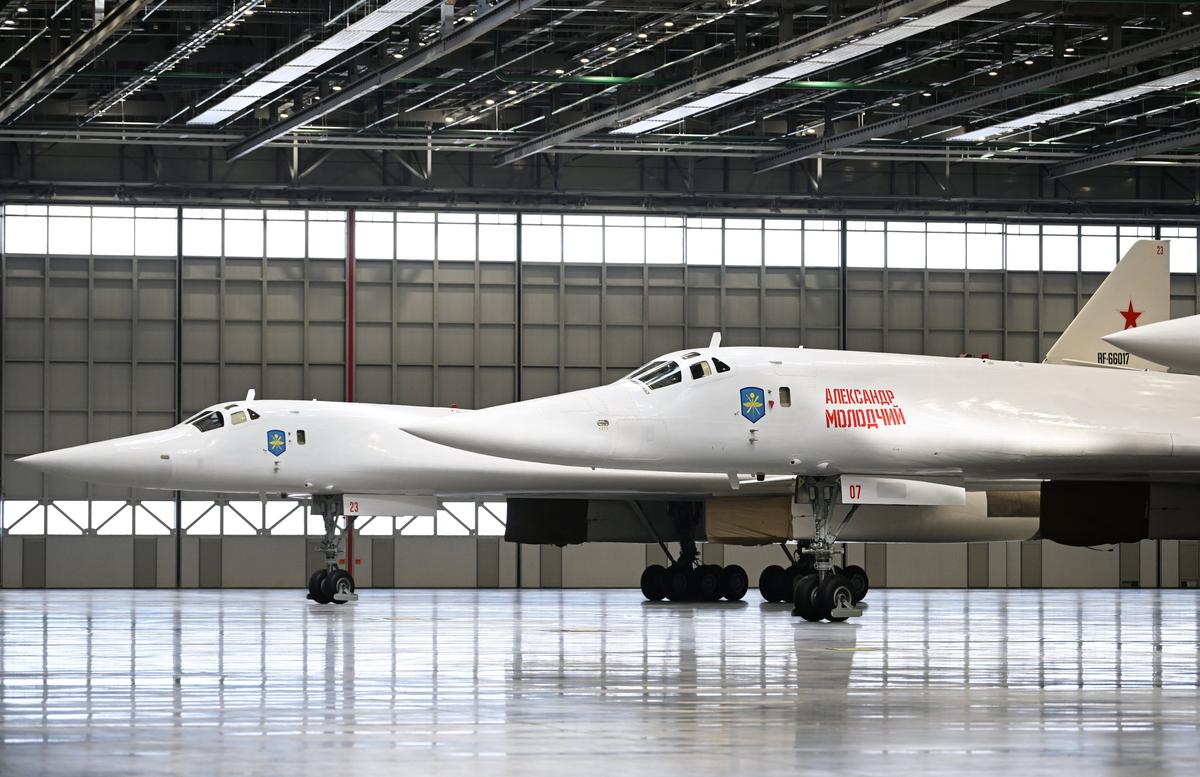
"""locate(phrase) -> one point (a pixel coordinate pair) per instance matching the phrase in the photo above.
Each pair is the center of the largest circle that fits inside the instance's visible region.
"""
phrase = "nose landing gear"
(331, 585)
(827, 592)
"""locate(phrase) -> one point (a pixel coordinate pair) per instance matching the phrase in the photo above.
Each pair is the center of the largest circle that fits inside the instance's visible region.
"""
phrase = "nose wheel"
(331, 585)
(826, 592)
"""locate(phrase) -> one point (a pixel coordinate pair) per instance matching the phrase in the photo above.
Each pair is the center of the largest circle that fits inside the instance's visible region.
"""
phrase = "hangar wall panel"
(602, 565)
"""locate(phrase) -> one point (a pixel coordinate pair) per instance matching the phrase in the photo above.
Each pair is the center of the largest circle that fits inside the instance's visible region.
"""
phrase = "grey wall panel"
(33, 562)
(91, 562)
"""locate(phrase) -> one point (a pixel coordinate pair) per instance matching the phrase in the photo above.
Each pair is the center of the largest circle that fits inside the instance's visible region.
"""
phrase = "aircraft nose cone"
(136, 462)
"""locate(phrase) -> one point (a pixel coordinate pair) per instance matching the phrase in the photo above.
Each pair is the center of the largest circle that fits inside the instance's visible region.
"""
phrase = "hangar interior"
(120, 319)
(475, 202)
(515, 198)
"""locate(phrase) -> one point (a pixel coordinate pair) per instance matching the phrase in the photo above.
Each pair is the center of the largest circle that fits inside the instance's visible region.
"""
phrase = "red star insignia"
(1131, 315)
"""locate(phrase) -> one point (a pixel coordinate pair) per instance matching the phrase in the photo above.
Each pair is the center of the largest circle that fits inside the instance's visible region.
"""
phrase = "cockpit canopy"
(215, 417)
(664, 372)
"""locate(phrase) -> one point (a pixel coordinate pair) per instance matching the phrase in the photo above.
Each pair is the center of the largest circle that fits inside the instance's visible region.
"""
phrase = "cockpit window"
(197, 415)
(641, 371)
(669, 379)
(230, 407)
(209, 421)
(701, 370)
(253, 415)
(720, 365)
(661, 369)
(237, 417)
(690, 355)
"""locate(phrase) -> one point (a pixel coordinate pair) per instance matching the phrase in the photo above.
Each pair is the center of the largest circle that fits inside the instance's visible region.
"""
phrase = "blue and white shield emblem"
(276, 442)
(754, 406)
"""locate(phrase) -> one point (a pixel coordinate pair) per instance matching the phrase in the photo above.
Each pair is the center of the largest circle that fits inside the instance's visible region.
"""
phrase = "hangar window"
(720, 365)
(213, 420)
(701, 370)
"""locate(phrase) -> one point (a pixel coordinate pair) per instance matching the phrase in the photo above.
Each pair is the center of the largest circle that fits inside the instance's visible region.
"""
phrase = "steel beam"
(71, 56)
(484, 24)
(1188, 37)
(803, 46)
(1163, 142)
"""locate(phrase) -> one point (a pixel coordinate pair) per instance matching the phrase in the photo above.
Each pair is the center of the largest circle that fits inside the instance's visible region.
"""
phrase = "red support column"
(350, 359)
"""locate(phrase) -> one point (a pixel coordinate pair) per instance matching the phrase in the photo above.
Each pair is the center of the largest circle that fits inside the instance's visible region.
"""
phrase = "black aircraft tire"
(770, 583)
(677, 583)
(832, 589)
(734, 583)
(859, 582)
(805, 599)
(706, 583)
(315, 589)
(338, 579)
(654, 583)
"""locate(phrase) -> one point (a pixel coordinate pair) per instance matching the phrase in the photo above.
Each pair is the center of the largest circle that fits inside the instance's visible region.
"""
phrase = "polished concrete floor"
(595, 683)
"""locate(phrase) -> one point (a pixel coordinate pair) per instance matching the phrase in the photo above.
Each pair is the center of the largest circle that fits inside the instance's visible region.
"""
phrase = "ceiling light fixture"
(993, 73)
(300, 66)
(1069, 49)
(397, 55)
(337, 87)
(895, 105)
(835, 55)
(927, 94)
(668, 23)
(512, 92)
(641, 36)
(558, 71)
(584, 60)
(611, 49)
(1029, 62)
(1082, 106)
(489, 101)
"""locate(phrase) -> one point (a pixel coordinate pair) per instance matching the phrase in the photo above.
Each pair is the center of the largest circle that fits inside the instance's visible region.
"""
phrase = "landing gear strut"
(686, 579)
(331, 584)
(827, 592)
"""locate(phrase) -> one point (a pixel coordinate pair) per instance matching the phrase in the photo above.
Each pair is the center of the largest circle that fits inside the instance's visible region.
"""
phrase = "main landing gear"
(685, 579)
(820, 590)
(331, 584)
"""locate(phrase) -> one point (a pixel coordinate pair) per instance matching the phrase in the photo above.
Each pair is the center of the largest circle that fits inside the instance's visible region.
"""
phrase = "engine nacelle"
(1085, 513)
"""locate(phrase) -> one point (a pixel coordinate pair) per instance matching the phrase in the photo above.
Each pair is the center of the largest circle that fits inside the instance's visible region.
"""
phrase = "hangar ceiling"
(955, 106)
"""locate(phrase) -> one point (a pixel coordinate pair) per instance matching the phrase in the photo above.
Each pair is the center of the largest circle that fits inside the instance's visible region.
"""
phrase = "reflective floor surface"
(595, 683)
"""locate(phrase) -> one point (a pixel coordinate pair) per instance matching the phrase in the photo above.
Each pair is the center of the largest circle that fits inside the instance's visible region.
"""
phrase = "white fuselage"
(831, 412)
(346, 447)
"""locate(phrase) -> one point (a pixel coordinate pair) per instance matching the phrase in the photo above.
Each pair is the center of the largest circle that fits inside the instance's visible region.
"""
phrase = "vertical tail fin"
(1137, 292)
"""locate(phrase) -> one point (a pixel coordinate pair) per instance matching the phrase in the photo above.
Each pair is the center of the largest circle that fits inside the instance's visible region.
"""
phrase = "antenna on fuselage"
(250, 395)
(715, 342)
